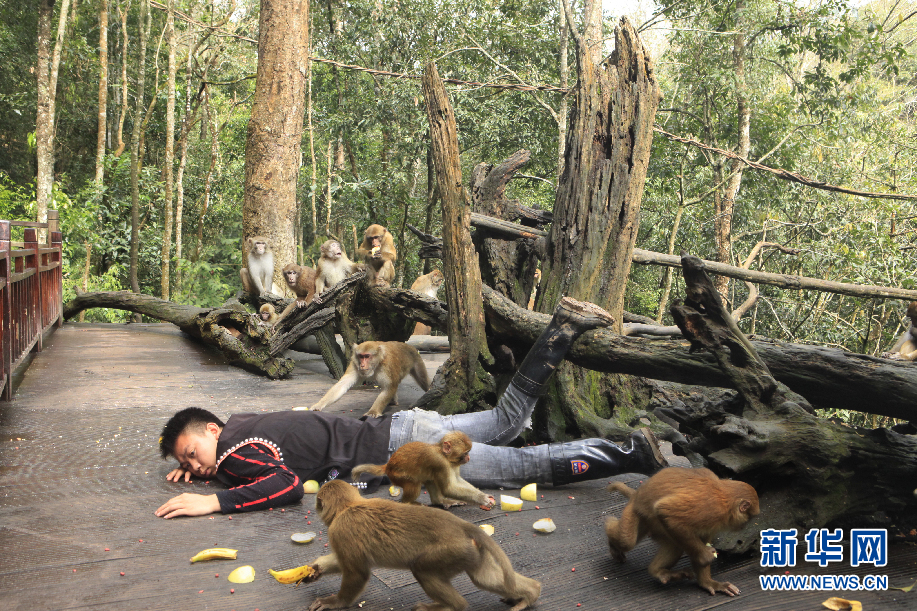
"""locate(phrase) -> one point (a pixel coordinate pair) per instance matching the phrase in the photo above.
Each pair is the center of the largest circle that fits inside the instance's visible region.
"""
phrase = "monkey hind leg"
(514, 589)
(623, 534)
(439, 588)
(665, 559)
(420, 375)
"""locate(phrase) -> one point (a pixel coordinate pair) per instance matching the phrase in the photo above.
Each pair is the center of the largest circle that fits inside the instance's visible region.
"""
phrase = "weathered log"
(827, 377)
(808, 472)
(241, 336)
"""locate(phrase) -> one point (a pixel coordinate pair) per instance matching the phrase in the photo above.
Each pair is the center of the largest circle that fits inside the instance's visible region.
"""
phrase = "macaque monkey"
(259, 270)
(435, 466)
(905, 349)
(300, 280)
(386, 363)
(268, 314)
(429, 285)
(378, 251)
(434, 545)
(333, 267)
(682, 510)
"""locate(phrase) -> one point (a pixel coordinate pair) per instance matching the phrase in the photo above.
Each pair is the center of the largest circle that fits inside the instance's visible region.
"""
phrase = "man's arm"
(270, 482)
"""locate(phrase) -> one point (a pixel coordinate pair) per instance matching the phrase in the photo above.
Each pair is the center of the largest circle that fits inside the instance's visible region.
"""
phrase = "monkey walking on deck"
(682, 510)
(435, 466)
(434, 545)
(386, 363)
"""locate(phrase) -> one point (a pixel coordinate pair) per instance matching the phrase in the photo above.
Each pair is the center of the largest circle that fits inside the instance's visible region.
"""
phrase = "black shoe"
(576, 461)
(571, 319)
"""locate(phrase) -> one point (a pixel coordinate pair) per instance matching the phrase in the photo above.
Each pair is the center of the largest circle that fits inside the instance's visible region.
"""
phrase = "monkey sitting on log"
(435, 466)
(429, 285)
(434, 545)
(386, 364)
(378, 251)
(905, 349)
(259, 270)
(333, 266)
(301, 280)
(682, 510)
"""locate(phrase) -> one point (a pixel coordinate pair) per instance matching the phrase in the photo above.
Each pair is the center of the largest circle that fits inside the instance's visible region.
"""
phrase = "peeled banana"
(292, 575)
(215, 552)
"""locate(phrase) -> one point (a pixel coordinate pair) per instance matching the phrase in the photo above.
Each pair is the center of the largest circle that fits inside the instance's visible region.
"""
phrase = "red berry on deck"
(217, 575)
(573, 569)
(200, 591)
(122, 573)
(232, 590)
(141, 540)
(106, 549)
(230, 517)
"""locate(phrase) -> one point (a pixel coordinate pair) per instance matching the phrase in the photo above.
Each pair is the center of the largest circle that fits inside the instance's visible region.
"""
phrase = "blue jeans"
(491, 465)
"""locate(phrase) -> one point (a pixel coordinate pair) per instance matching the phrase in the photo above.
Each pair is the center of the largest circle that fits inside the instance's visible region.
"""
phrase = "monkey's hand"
(301, 304)
(316, 408)
(316, 573)
(447, 503)
(488, 503)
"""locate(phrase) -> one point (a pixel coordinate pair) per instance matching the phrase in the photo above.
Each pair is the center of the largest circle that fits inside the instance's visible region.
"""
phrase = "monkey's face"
(259, 248)
(334, 251)
(291, 276)
(375, 241)
(366, 361)
(265, 315)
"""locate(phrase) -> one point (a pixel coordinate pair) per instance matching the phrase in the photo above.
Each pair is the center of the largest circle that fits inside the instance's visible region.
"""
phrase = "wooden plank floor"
(80, 478)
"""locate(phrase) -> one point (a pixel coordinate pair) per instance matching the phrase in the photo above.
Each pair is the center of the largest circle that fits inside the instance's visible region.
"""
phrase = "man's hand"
(189, 504)
(177, 473)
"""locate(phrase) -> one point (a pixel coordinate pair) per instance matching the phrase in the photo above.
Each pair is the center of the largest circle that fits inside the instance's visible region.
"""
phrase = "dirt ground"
(80, 478)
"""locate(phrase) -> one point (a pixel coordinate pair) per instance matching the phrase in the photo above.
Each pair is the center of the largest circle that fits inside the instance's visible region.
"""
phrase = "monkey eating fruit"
(682, 510)
(378, 252)
(435, 466)
(434, 545)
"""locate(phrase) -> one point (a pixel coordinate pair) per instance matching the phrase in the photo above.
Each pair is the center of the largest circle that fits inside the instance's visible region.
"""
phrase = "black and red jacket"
(267, 457)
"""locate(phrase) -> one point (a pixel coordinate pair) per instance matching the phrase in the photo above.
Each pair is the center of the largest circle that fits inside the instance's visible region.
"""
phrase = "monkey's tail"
(622, 488)
(361, 469)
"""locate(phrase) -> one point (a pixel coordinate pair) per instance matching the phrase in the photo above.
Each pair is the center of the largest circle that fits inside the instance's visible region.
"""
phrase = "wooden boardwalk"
(80, 477)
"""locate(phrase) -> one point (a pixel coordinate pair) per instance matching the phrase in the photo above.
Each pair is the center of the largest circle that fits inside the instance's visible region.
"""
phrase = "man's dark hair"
(188, 420)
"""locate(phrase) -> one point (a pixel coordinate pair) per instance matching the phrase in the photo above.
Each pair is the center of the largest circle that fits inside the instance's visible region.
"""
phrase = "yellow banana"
(215, 552)
(292, 575)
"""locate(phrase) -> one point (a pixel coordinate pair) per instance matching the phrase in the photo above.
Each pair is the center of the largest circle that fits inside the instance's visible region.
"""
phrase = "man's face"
(197, 452)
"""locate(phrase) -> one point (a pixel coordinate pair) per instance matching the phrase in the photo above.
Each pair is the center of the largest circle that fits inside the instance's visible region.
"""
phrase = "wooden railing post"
(6, 335)
(30, 242)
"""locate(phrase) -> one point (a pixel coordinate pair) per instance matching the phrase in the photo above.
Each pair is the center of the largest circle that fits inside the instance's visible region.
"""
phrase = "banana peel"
(214, 553)
(292, 575)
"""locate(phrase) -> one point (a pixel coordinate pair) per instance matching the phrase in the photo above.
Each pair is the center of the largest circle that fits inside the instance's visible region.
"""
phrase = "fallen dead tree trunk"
(808, 472)
(827, 377)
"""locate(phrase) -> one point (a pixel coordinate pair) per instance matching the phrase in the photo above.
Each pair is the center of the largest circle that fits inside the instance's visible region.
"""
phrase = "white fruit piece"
(310, 487)
(545, 525)
(510, 503)
(243, 574)
(529, 493)
(488, 528)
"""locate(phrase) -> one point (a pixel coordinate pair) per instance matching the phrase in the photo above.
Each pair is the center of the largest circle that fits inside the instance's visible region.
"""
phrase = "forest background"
(825, 88)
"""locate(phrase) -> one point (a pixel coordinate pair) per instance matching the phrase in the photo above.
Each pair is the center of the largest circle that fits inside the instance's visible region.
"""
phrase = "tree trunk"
(808, 472)
(461, 382)
(188, 120)
(726, 204)
(506, 265)
(168, 162)
(596, 218)
(47, 94)
(144, 26)
(103, 92)
(122, 13)
(272, 148)
(208, 181)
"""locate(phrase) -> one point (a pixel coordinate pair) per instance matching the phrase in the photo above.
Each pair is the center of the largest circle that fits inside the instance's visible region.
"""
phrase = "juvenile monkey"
(435, 466)
(386, 363)
(531, 305)
(300, 280)
(259, 270)
(378, 251)
(682, 510)
(434, 545)
(429, 285)
(268, 314)
(333, 266)
(905, 348)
